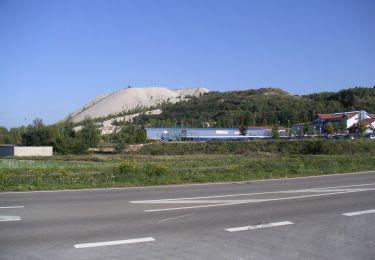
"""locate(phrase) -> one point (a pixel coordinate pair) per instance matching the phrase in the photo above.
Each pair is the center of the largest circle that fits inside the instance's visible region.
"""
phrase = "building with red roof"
(369, 123)
(341, 121)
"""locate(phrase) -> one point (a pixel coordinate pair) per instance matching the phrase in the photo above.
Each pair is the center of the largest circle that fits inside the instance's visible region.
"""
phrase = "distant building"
(14, 150)
(341, 120)
(369, 123)
(208, 134)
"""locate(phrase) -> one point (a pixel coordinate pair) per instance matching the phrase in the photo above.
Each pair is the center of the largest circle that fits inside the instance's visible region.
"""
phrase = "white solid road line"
(191, 201)
(195, 207)
(276, 224)
(311, 190)
(12, 207)
(182, 216)
(252, 201)
(259, 200)
(10, 218)
(116, 242)
(356, 213)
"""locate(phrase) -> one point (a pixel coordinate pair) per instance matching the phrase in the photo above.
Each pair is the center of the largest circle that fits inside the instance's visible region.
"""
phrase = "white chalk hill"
(131, 98)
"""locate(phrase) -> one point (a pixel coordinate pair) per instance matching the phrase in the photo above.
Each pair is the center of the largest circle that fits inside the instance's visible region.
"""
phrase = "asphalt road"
(328, 217)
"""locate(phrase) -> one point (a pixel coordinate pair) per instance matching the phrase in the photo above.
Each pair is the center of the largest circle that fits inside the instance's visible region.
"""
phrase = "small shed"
(14, 150)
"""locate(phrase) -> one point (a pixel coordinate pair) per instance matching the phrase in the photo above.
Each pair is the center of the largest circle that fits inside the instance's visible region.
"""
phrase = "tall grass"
(138, 170)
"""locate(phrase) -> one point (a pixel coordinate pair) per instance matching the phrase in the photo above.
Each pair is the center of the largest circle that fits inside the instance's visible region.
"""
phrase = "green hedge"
(283, 147)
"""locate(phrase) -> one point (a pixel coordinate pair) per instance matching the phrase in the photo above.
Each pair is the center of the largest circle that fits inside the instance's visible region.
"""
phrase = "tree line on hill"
(265, 106)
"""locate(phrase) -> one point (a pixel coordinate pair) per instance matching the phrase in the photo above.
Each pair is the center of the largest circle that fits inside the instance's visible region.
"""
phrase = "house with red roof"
(341, 120)
(369, 123)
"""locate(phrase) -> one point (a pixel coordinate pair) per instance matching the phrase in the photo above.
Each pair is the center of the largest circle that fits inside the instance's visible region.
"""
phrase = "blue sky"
(57, 55)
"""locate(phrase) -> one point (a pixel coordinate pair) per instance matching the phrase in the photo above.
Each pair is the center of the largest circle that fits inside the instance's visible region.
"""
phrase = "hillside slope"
(129, 99)
(259, 107)
(263, 106)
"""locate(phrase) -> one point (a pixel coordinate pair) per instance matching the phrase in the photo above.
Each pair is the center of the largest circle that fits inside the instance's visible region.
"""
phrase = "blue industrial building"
(206, 134)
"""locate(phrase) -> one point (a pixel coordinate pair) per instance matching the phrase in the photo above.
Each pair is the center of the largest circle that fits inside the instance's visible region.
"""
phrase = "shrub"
(126, 167)
(283, 147)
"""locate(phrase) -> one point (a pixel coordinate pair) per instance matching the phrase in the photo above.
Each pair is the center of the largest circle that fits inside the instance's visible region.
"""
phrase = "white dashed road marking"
(276, 224)
(10, 218)
(356, 213)
(12, 207)
(116, 242)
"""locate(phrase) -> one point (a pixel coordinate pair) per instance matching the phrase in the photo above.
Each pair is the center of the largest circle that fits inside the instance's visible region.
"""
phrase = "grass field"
(92, 171)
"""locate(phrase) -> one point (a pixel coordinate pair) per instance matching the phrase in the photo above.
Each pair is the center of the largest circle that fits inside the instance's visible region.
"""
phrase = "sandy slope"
(107, 127)
(131, 98)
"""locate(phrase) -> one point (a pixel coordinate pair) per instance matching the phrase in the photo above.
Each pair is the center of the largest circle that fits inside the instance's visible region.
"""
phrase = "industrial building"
(208, 134)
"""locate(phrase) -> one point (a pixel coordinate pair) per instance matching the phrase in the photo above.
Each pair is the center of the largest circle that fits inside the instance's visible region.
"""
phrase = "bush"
(127, 167)
(282, 147)
(130, 172)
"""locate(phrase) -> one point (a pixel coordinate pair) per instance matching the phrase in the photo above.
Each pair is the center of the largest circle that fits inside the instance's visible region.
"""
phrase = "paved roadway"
(328, 217)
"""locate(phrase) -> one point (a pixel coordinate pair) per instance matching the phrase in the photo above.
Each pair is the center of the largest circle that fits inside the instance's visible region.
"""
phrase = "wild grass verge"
(140, 170)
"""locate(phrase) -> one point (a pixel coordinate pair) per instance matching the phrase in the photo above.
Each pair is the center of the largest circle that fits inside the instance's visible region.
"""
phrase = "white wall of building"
(355, 119)
(26, 151)
(370, 127)
(33, 151)
(351, 121)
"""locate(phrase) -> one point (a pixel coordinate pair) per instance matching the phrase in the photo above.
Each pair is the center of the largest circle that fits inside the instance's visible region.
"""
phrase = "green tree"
(15, 135)
(243, 130)
(90, 134)
(37, 134)
(129, 134)
(247, 118)
(141, 136)
(342, 127)
(329, 128)
(4, 136)
(67, 141)
(119, 142)
(308, 130)
(362, 127)
(275, 131)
